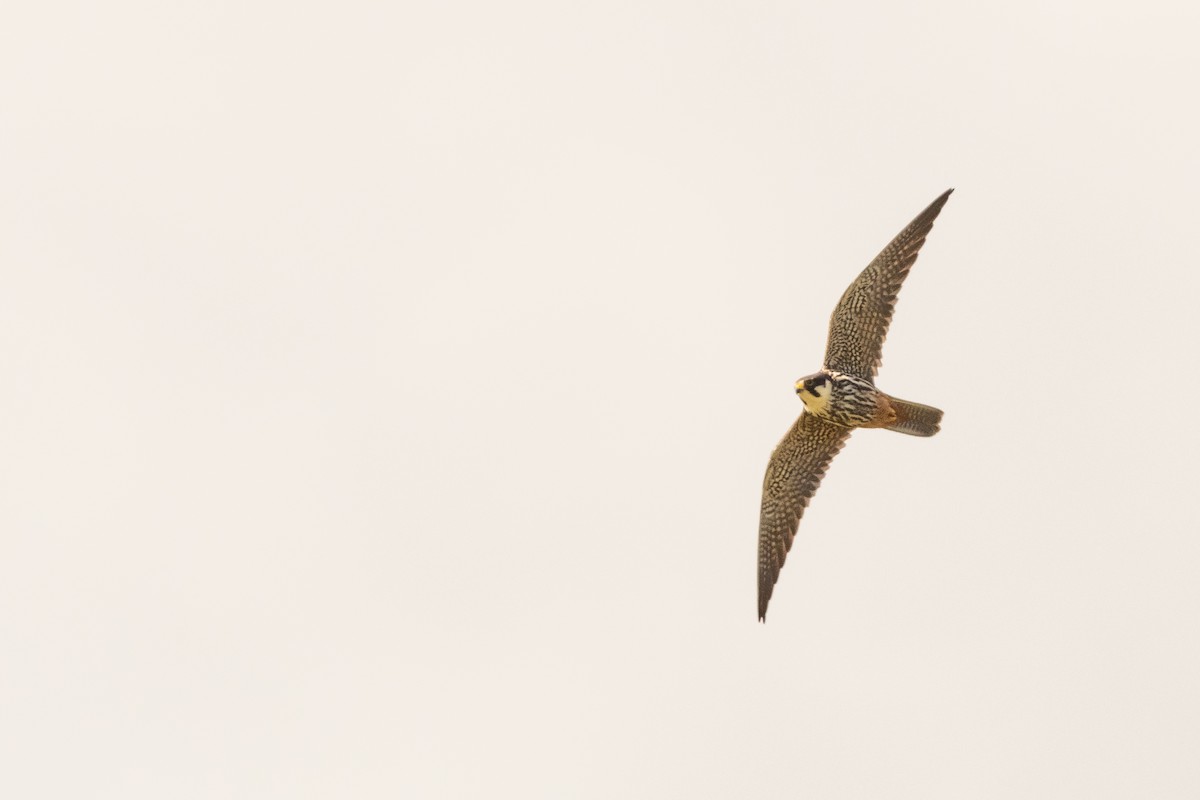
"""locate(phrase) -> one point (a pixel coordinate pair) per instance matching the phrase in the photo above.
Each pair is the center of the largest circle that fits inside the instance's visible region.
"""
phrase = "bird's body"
(845, 400)
(840, 398)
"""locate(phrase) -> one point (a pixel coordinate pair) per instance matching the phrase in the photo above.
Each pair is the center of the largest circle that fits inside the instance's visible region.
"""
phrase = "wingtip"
(932, 211)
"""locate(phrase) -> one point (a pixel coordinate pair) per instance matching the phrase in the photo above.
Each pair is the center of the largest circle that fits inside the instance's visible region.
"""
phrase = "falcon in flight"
(840, 398)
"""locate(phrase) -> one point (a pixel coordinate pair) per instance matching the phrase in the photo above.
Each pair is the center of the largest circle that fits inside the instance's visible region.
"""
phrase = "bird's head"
(814, 391)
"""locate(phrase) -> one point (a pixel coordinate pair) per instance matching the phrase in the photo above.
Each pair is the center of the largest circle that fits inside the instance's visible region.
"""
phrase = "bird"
(841, 397)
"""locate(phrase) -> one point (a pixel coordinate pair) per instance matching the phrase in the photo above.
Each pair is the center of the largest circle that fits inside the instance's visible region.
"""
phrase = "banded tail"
(914, 418)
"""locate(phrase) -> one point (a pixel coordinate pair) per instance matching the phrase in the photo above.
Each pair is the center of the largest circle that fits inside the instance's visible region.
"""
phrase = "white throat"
(817, 402)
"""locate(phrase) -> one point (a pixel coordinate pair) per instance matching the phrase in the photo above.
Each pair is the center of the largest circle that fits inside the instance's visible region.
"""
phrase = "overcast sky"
(388, 388)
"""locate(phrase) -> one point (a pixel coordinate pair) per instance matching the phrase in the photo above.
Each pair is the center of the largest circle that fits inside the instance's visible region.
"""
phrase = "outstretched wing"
(793, 475)
(860, 322)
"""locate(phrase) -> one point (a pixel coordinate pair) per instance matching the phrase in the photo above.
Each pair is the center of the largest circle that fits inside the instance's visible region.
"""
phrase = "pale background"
(388, 387)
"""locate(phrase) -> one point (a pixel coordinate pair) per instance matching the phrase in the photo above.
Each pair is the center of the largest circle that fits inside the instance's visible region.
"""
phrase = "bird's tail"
(914, 418)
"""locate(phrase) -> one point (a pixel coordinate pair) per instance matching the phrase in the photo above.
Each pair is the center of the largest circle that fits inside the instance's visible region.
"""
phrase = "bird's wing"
(793, 475)
(860, 322)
